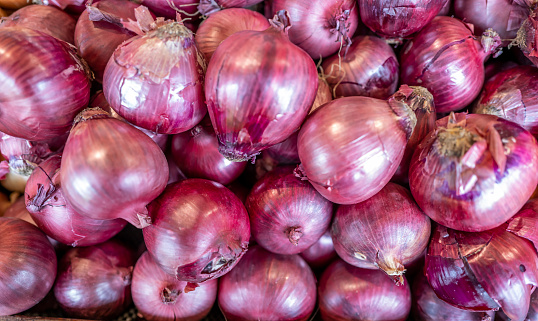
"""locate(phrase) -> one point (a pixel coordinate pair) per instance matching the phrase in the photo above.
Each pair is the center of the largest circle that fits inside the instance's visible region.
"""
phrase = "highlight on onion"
(169, 9)
(532, 315)
(210, 7)
(268, 286)
(474, 172)
(72, 6)
(321, 253)
(524, 223)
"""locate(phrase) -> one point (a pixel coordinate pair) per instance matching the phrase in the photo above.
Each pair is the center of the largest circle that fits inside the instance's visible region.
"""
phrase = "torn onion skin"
(527, 37)
(525, 223)
(483, 271)
(164, 9)
(474, 172)
(210, 7)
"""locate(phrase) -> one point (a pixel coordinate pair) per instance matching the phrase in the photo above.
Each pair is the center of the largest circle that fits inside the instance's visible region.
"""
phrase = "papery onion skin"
(287, 215)
(387, 231)
(46, 84)
(527, 37)
(512, 95)
(369, 68)
(346, 292)
(268, 286)
(13, 4)
(525, 222)
(483, 271)
(95, 282)
(321, 253)
(49, 20)
(222, 24)
(3, 13)
(163, 8)
(200, 230)
(160, 297)
(28, 267)
(72, 6)
(324, 94)
(111, 169)
(474, 172)
(210, 7)
(263, 115)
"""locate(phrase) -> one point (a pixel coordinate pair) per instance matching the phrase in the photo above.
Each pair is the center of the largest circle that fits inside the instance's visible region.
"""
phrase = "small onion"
(267, 286)
(169, 8)
(474, 172)
(346, 292)
(210, 7)
(322, 253)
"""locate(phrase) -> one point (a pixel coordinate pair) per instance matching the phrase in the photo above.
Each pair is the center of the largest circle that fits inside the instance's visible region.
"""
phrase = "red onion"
(323, 96)
(95, 282)
(155, 80)
(474, 172)
(322, 253)
(512, 95)
(494, 67)
(370, 68)
(532, 315)
(200, 230)
(196, 152)
(287, 215)
(111, 169)
(28, 266)
(351, 147)
(175, 174)
(483, 271)
(223, 24)
(45, 84)
(160, 297)
(525, 222)
(393, 232)
(268, 286)
(284, 153)
(527, 37)
(400, 18)
(210, 7)
(256, 105)
(428, 307)
(73, 6)
(350, 293)
(169, 8)
(445, 58)
(49, 20)
(239, 189)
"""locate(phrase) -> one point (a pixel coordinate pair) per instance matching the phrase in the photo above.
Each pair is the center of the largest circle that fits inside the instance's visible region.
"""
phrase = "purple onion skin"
(46, 85)
(160, 297)
(210, 7)
(483, 271)
(263, 115)
(49, 20)
(512, 95)
(71, 6)
(369, 68)
(200, 230)
(287, 215)
(477, 182)
(321, 253)
(346, 292)
(428, 307)
(95, 282)
(525, 222)
(163, 9)
(28, 267)
(196, 152)
(285, 153)
(268, 286)
(400, 18)
(527, 39)
(447, 9)
(532, 315)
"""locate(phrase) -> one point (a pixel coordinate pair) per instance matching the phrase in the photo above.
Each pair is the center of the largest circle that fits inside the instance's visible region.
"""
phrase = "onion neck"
(89, 114)
(405, 113)
(454, 142)
(294, 234)
(281, 22)
(490, 41)
(340, 26)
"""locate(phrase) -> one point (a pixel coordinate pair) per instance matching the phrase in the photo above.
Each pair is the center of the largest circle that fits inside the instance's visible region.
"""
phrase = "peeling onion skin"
(29, 266)
(532, 315)
(160, 297)
(287, 215)
(210, 7)
(346, 292)
(483, 271)
(200, 230)
(476, 181)
(263, 115)
(268, 286)
(41, 74)
(99, 148)
(387, 232)
(323, 95)
(527, 37)
(321, 253)
(163, 9)
(525, 223)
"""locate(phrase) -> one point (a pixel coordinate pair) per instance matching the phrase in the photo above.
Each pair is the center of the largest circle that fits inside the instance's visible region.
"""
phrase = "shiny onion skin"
(525, 222)
(512, 95)
(49, 20)
(73, 6)
(482, 271)
(160, 297)
(268, 286)
(155, 80)
(400, 18)
(249, 115)
(445, 58)
(209, 7)
(428, 307)
(28, 267)
(346, 292)
(222, 24)
(369, 68)
(45, 84)
(387, 231)
(94, 282)
(351, 147)
(46, 203)
(321, 253)
(111, 169)
(162, 8)
(474, 172)
(196, 152)
(532, 315)
(287, 215)
(200, 230)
